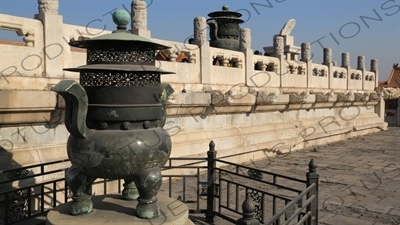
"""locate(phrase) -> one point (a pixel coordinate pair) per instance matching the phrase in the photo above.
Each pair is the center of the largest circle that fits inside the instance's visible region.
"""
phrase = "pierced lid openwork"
(121, 80)
(120, 55)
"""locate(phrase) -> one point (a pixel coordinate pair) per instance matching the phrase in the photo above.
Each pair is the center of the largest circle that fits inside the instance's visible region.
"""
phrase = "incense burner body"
(115, 116)
(224, 29)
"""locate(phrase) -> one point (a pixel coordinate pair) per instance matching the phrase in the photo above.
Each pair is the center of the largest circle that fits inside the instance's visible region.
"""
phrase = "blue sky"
(326, 20)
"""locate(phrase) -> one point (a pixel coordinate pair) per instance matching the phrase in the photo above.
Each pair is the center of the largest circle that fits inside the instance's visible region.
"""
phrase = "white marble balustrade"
(266, 72)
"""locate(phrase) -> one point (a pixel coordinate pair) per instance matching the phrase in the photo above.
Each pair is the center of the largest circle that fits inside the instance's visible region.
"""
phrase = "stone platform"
(111, 209)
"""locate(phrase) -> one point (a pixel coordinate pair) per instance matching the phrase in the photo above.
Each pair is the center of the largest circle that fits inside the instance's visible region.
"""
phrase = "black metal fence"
(246, 195)
(31, 200)
(214, 186)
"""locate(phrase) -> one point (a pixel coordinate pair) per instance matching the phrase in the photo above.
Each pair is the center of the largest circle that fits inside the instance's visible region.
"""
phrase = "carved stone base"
(111, 209)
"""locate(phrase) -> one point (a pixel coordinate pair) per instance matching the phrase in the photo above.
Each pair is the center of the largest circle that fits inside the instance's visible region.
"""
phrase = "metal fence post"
(211, 156)
(313, 178)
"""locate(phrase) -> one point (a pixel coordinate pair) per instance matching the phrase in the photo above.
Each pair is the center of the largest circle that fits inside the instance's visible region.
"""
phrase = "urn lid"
(226, 14)
(119, 51)
(124, 37)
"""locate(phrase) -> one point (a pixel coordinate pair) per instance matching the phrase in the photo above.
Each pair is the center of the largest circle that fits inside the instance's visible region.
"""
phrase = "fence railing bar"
(230, 209)
(263, 171)
(188, 158)
(54, 194)
(170, 186)
(33, 176)
(261, 181)
(298, 211)
(183, 167)
(292, 203)
(42, 198)
(184, 189)
(304, 218)
(237, 194)
(228, 196)
(29, 202)
(263, 192)
(238, 154)
(7, 206)
(33, 166)
(31, 186)
(179, 175)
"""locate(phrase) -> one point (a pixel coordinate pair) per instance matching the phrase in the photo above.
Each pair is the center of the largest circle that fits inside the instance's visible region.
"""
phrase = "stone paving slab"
(359, 178)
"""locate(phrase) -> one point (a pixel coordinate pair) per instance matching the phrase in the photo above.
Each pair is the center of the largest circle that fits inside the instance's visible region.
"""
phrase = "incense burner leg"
(148, 184)
(130, 191)
(80, 186)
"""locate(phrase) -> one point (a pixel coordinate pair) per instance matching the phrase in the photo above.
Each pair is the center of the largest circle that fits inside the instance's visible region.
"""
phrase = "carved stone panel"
(374, 97)
(296, 98)
(264, 97)
(359, 97)
(348, 97)
(323, 97)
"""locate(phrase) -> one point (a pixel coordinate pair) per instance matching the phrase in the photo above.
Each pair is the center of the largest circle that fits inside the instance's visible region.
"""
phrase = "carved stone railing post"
(361, 62)
(327, 56)
(313, 178)
(374, 68)
(305, 52)
(345, 59)
(200, 31)
(245, 39)
(200, 39)
(279, 53)
(54, 45)
(278, 46)
(245, 47)
(346, 64)
(306, 57)
(380, 107)
(139, 18)
(248, 209)
(328, 62)
(361, 66)
(48, 6)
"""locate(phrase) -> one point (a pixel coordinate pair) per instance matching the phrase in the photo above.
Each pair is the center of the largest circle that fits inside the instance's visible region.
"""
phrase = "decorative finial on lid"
(225, 7)
(121, 18)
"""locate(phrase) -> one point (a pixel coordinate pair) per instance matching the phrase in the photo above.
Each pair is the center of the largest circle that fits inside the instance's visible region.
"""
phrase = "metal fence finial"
(249, 210)
(312, 166)
(212, 146)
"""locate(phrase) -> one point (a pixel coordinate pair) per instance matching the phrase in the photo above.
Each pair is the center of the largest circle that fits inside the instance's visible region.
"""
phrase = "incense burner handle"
(214, 29)
(76, 101)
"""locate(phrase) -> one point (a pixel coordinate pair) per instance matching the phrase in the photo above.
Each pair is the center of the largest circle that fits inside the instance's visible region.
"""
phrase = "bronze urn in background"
(115, 116)
(224, 29)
